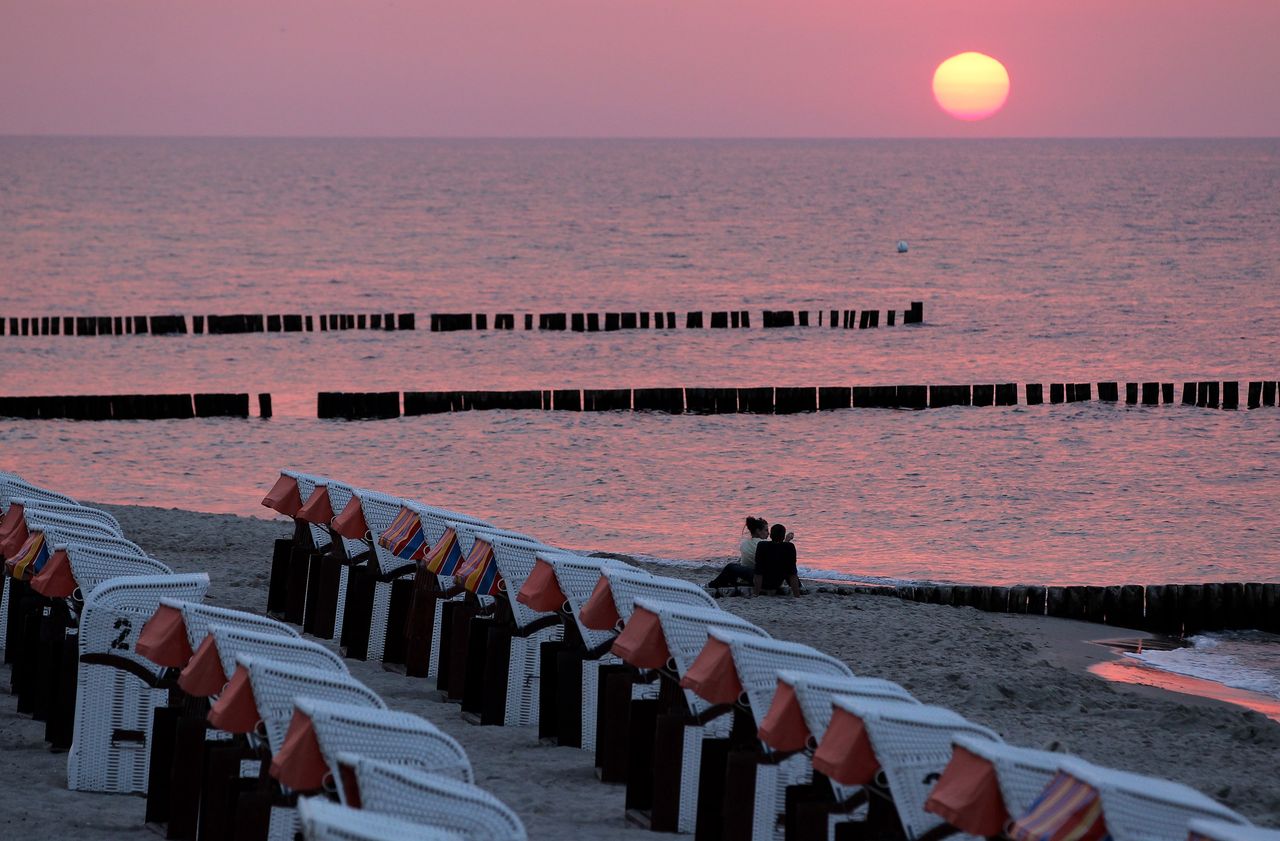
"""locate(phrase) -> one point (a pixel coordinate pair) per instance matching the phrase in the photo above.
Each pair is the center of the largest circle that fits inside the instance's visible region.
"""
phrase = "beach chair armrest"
(156, 680)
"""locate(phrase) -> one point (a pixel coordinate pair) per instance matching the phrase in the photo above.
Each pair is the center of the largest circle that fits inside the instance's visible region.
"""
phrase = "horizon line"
(638, 137)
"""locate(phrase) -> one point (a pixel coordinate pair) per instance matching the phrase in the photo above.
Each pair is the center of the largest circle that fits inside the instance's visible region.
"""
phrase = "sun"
(971, 86)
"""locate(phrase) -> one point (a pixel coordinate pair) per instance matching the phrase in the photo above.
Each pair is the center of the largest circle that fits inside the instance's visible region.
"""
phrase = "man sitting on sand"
(776, 562)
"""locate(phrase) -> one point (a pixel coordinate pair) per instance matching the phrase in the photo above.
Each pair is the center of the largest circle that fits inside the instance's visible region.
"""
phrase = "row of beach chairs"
(232, 724)
(235, 726)
(715, 728)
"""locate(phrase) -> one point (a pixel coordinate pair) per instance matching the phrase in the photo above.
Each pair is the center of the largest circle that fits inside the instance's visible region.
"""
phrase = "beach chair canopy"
(320, 731)
(613, 598)
(176, 628)
(801, 708)
(427, 798)
(75, 566)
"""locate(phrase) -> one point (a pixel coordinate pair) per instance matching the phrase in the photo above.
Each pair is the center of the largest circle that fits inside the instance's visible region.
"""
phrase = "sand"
(1023, 676)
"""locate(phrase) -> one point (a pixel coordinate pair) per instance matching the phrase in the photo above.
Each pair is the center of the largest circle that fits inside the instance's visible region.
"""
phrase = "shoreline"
(1026, 677)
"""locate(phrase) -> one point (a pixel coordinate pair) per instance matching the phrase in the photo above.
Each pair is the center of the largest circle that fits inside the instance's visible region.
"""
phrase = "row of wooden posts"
(590, 322)
(1163, 608)
(133, 406)
(712, 401)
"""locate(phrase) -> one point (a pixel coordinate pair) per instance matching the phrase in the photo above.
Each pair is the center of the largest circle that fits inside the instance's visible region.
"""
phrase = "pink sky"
(683, 68)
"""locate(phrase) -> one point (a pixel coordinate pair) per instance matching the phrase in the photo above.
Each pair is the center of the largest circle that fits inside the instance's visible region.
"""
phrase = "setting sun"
(971, 86)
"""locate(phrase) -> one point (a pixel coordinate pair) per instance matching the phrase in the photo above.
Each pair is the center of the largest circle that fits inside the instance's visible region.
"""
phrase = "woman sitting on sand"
(743, 570)
(775, 562)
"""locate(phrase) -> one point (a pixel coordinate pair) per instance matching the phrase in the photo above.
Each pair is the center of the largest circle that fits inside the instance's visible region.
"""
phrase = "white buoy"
(902, 246)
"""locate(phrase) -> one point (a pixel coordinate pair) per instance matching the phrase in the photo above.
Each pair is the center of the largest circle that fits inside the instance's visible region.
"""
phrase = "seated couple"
(768, 557)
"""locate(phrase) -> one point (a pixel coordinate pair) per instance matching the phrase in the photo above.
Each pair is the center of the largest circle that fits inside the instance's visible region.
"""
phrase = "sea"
(1036, 261)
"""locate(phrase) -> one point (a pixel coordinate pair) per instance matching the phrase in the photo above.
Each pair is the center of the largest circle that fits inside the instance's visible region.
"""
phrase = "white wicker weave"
(386, 735)
(41, 519)
(380, 511)
(233, 642)
(91, 563)
(73, 511)
(913, 745)
(815, 691)
(577, 576)
(14, 486)
(1022, 773)
(1228, 831)
(4, 611)
(627, 586)
(1140, 808)
(197, 617)
(110, 700)
(321, 820)
(434, 800)
(276, 686)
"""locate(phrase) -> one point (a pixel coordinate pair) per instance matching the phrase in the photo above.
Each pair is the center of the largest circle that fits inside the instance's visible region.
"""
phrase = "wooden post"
(835, 397)
(915, 315)
(1211, 399)
(273, 323)
(1231, 395)
(1166, 392)
(1017, 599)
(1255, 394)
(528, 321)
(1150, 394)
(611, 321)
(310, 325)
(1189, 394)
(693, 320)
(1109, 392)
(832, 321)
(757, 401)
(1131, 393)
(578, 322)
(644, 320)
(669, 400)
(628, 320)
(1056, 601)
(720, 320)
(984, 395)
(1084, 392)
(593, 322)
(889, 316)
(789, 401)
(1269, 393)
(1007, 394)
(1057, 393)
(914, 396)
(948, 395)
(1035, 394)
(804, 318)
(406, 320)
(569, 400)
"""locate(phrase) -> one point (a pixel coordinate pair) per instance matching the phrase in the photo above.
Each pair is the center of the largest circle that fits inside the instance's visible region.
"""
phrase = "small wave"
(1248, 660)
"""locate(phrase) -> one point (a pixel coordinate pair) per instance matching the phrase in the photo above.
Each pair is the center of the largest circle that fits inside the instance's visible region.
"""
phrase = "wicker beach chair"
(742, 669)
(895, 748)
(564, 582)
(986, 784)
(1133, 807)
(70, 510)
(322, 820)
(797, 720)
(321, 731)
(1202, 829)
(668, 636)
(76, 567)
(428, 799)
(116, 692)
(14, 486)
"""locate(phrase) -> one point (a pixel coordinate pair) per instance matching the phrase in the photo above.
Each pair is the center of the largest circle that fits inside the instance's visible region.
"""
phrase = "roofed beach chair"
(256, 707)
(1092, 802)
(461, 564)
(796, 721)
(742, 670)
(430, 799)
(569, 669)
(329, 509)
(321, 731)
(667, 637)
(52, 660)
(610, 606)
(117, 689)
(891, 748)
(380, 593)
(1202, 829)
(502, 679)
(322, 820)
(304, 498)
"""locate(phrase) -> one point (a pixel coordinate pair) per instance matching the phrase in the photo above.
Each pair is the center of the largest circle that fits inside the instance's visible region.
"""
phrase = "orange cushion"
(350, 523)
(600, 613)
(845, 754)
(163, 640)
(203, 675)
(642, 643)
(317, 510)
(236, 711)
(299, 764)
(967, 795)
(541, 590)
(284, 496)
(783, 727)
(712, 676)
(56, 579)
(13, 531)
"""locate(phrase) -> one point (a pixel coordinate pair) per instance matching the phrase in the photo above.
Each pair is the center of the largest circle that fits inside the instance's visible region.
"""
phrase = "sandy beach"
(1025, 677)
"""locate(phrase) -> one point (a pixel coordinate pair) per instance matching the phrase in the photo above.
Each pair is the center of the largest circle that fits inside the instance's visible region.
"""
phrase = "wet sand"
(1026, 677)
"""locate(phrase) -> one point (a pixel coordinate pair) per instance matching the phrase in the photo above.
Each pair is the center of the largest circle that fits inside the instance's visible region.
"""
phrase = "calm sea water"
(1037, 261)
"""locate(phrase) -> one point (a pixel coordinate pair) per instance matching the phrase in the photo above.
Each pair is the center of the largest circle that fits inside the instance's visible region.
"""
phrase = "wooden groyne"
(131, 406)
(577, 322)
(1176, 609)
(784, 400)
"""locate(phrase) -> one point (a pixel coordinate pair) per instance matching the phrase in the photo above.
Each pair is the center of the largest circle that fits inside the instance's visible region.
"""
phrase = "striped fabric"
(444, 557)
(30, 559)
(1067, 810)
(479, 572)
(404, 538)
